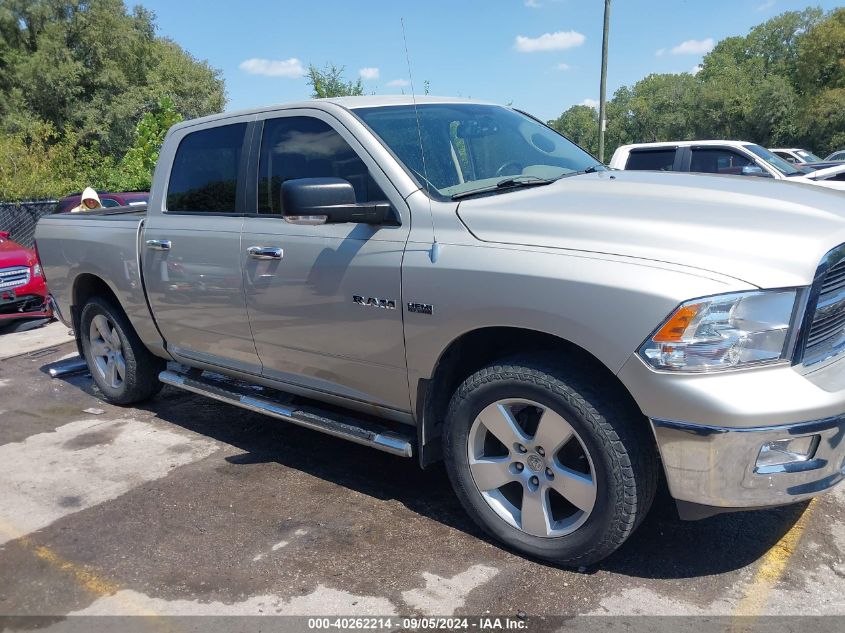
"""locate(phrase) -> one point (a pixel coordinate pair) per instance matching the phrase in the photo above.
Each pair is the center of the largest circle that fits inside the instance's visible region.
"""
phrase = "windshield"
(472, 147)
(808, 156)
(784, 167)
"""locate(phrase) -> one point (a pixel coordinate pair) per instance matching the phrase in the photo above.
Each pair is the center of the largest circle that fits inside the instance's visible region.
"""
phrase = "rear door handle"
(159, 245)
(265, 252)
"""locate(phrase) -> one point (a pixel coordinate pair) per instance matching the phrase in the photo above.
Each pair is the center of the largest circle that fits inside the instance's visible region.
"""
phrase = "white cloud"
(533, 4)
(695, 69)
(694, 47)
(590, 103)
(562, 66)
(549, 41)
(766, 5)
(660, 52)
(368, 74)
(398, 83)
(292, 67)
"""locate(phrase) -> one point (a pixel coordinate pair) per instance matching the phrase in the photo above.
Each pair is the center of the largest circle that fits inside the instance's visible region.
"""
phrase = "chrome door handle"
(159, 245)
(265, 252)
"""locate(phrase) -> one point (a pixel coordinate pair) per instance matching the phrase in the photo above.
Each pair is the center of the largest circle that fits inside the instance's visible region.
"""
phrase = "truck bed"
(101, 243)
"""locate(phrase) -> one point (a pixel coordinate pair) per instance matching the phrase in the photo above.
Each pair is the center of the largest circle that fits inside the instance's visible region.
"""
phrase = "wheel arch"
(477, 348)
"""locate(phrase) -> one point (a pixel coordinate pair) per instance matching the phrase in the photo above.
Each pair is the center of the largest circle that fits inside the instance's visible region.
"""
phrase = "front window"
(472, 147)
(304, 147)
(774, 160)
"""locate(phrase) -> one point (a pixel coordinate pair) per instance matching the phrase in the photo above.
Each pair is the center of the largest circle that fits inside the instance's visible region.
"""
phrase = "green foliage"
(329, 82)
(580, 124)
(137, 166)
(84, 77)
(782, 84)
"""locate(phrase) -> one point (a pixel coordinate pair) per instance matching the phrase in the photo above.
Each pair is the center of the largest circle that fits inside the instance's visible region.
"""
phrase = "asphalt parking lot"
(187, 506)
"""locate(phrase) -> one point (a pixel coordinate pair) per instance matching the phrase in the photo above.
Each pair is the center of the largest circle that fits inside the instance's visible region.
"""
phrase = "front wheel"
(123, 368)
(546, 463)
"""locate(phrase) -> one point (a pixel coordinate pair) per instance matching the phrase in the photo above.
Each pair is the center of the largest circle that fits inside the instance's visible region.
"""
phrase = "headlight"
(725, 331)
(36, 270)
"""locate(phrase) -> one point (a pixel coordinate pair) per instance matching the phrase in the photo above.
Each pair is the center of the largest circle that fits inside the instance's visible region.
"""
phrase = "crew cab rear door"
(326, 309)
(191, 247)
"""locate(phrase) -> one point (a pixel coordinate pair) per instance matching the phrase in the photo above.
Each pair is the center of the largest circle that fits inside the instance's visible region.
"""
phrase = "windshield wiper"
(514, 182)
(590, 170)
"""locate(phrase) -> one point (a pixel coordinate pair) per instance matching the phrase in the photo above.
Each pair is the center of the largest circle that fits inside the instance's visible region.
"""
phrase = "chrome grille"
(13, 277)
(825, 336)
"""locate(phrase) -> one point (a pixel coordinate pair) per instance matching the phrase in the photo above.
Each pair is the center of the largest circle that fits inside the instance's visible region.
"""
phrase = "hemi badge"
(421, 308)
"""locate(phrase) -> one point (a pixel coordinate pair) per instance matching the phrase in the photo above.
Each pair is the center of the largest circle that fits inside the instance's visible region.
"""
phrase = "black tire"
(140, 381)
(624, 460)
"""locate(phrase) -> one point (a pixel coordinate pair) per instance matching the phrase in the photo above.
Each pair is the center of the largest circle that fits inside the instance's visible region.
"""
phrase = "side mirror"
(328, 201)
(755, 170)
(4, 235)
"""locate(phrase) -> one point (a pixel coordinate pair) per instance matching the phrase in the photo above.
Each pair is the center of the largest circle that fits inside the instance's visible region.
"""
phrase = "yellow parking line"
(84, 578)
(772, 567)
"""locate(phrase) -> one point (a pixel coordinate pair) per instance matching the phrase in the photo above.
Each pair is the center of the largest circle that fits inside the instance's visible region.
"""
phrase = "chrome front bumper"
(717, 466)
(710, 427)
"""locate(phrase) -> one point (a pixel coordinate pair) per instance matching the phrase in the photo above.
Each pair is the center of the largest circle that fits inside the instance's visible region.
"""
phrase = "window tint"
(304, 147)
(718, 161)
(651, 160)
(109, 202)
(205, 171)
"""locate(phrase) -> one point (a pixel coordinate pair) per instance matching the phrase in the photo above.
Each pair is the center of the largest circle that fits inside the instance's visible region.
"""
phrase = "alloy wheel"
(107, 351)
(531, 467)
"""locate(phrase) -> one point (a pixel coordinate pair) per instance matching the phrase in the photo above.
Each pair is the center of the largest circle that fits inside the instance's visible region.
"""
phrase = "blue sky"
(542, 55)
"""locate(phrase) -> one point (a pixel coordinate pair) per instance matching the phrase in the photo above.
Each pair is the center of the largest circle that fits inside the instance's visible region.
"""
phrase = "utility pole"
(603, 87)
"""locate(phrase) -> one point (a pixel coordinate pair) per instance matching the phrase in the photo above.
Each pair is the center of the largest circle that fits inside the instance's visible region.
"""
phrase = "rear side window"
(651, 160)
(718, 161)
(204, 177)
(305, 147)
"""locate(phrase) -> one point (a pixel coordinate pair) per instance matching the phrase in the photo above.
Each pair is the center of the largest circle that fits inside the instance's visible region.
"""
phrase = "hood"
(766, 233)
(90, 194)
(13, 254)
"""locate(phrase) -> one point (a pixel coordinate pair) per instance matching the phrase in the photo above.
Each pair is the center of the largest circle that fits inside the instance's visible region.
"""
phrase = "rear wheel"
(123, 368)
(547, 464)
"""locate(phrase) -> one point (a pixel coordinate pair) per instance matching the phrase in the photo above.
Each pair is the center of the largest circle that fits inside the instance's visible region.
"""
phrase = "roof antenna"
(435, 247)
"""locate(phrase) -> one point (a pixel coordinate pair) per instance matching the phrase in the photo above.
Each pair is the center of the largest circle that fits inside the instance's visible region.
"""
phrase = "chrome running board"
(330, 422)
(67, 367)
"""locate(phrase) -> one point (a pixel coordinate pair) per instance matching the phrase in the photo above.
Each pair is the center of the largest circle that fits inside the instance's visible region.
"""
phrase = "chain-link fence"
(20, 218)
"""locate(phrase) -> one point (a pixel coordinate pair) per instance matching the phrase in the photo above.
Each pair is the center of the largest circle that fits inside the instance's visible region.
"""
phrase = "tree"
(782, 84)
(93, 68)
(329, 82)
(136, 168)
(580, 124)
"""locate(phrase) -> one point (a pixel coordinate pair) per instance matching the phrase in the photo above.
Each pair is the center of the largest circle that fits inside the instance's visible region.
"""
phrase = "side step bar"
(330, 422)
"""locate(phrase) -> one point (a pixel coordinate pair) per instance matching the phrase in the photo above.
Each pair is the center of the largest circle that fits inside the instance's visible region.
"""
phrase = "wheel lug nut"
(549, 473)
(540, 450)
(535, 481)
(519, 466)
(521, 448)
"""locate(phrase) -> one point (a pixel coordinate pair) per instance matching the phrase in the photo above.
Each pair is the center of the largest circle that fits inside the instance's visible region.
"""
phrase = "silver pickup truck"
(448, 279)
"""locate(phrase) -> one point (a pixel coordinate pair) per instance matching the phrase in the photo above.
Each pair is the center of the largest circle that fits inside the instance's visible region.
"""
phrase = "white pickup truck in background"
(727, 158)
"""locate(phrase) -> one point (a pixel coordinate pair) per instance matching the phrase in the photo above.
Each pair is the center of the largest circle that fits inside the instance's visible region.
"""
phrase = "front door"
(325, 304)
(192, 252)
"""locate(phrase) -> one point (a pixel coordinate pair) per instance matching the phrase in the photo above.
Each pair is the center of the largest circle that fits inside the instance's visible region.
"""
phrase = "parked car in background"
(795, 155)
(727, 158)
(23, 291)
(837, 156)
(804, 160)
(107, 199)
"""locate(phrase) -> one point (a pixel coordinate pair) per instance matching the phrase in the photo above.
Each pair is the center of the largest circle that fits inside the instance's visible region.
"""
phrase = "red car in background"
(23, 290)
